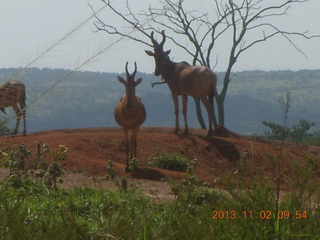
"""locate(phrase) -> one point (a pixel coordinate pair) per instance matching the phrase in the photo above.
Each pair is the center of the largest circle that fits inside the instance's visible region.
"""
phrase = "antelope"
(185, 80)
(130, 113)
(12, 93)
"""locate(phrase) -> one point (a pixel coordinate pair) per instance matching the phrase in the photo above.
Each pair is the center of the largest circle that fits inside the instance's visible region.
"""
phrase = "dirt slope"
(90, 150)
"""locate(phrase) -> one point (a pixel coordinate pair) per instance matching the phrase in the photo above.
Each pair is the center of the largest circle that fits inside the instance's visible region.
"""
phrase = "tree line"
(87, 99)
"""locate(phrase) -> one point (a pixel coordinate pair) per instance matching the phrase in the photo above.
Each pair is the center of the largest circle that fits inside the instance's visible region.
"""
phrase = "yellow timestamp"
(265, 214)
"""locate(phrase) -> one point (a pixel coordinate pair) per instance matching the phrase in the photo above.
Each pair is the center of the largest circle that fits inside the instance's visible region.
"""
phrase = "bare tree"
(197, 33)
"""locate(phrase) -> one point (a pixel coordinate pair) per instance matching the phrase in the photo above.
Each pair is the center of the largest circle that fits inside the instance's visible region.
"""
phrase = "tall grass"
(85, 213)
(239, 211)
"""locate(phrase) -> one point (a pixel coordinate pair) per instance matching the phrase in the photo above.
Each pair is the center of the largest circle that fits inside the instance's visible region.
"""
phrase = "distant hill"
(87, 99)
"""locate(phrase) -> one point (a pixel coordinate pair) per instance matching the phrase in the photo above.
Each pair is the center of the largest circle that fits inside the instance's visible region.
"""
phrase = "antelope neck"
(168, 69)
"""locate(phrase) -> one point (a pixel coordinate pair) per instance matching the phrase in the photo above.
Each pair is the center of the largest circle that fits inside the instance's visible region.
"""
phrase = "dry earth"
(91, 149)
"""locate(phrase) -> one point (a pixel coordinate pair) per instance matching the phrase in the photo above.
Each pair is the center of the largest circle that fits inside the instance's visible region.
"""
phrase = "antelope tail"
(24, 98)
(211, 98)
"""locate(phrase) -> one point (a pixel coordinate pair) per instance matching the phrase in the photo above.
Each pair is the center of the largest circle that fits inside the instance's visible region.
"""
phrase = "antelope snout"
(156, 72)
(128, 105)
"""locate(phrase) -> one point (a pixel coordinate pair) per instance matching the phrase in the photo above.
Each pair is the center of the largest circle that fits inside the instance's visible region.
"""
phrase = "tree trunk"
(220, 106)
(221, 97)
(199, 114)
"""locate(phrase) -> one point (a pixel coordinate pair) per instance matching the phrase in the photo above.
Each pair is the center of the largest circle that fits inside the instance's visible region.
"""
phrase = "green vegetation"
(198, 212)
(39, 168)
(84, 213)
(169, 161)
(299, 133)
(33, 208)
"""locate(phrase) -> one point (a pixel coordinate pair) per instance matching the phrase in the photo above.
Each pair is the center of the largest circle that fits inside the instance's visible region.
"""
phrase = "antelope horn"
(135, 69)
(155, 43)
(127, 72)
(163, 39)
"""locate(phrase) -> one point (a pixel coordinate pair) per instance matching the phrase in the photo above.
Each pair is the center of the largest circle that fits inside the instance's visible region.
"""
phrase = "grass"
(86, 213)
(169, 161)
(39, 211)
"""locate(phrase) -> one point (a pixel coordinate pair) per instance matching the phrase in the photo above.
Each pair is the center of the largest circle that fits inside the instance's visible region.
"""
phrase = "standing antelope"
(130, 113)
(12, 93)
(184, 79)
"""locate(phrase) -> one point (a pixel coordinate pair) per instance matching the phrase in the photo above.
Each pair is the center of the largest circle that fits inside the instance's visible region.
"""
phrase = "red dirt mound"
(225, 152)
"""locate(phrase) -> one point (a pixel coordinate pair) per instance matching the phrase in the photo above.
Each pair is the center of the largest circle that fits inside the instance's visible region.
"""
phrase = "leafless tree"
(197, 33)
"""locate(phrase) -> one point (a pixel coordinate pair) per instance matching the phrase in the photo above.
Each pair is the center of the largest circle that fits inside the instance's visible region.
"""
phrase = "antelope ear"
(149, 53)
(121, 80)
(139, 80)
(167, 52)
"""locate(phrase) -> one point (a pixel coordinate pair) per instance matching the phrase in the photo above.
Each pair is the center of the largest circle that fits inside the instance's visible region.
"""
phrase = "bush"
(297, 133)
(169, 161)
(26, 167)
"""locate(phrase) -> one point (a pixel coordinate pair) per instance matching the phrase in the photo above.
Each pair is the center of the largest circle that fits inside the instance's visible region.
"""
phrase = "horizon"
(148, 73)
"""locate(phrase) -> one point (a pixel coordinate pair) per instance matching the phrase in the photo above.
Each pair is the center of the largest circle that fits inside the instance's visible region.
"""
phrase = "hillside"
(87, 99)
(224, 154)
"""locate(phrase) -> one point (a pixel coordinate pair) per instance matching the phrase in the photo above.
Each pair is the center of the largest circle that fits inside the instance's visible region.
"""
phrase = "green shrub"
(41, 167)
(297, 133)
(169, 161)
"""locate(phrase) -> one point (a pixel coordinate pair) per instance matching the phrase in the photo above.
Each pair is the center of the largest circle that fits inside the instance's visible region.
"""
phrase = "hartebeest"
(184, 79)
(12, 93)
(130, 113)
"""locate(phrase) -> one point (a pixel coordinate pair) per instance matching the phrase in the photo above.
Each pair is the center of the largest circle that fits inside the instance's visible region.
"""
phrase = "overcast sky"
(28, 28)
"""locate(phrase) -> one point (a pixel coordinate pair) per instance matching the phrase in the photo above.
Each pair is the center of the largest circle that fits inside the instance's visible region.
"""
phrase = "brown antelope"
(12, 93)
(130, 113)
(184, 79)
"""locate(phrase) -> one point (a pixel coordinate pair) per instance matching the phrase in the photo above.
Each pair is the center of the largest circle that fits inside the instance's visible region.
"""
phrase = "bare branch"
(197, 33)
(157, 83)
(129, 18)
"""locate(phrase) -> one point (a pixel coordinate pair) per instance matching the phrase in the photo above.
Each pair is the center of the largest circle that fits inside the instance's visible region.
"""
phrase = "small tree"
(296, 133)
(237, 20)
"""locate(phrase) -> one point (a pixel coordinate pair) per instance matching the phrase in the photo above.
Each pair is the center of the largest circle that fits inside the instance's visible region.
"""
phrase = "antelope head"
(130, 84)
(159, 54)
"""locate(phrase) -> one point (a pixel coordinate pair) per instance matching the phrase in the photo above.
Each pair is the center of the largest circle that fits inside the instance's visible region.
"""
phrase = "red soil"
(225, 153)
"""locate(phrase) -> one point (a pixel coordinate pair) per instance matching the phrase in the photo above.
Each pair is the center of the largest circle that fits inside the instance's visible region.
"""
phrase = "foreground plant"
(169, 161)
(26, 167)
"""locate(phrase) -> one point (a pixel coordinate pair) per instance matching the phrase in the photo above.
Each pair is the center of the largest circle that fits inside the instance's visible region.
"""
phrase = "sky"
(31, 29)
